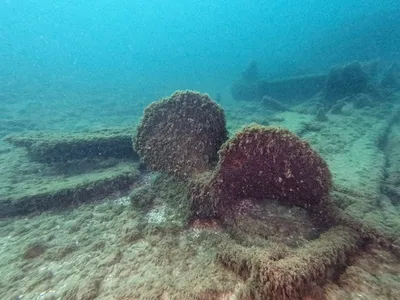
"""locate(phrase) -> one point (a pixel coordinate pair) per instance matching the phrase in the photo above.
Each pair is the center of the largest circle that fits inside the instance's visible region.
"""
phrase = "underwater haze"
(150, 46)
(209, 150)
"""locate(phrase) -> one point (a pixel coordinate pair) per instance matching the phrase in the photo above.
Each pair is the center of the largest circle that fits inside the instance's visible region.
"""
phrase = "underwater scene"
(222, 150)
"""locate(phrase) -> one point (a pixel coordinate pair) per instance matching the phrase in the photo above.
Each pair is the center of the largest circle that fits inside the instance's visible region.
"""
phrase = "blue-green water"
(81, 217)
(156, 47)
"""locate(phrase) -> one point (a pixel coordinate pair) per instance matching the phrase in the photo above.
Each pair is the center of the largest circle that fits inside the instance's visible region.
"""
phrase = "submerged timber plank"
(51, 147)
(57, 193)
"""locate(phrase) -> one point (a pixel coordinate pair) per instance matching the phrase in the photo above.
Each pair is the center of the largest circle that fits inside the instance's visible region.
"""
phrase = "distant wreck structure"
(348, 83)
(391, 78)
(250, 87)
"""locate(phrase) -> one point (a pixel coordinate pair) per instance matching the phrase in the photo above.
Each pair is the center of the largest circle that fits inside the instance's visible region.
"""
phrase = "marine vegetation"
(266, 179)
(181, 135)
(268, 162)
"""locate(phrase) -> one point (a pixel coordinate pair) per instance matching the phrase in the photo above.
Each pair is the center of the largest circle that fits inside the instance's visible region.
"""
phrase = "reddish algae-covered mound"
(266, 162)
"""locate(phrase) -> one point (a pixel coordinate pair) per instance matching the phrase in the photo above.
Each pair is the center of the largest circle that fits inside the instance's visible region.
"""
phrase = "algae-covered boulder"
(267, 162)
(181, 135)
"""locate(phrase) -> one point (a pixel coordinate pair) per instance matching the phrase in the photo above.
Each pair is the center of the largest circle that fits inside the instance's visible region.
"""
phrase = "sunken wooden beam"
(53, 193)
(60, 147)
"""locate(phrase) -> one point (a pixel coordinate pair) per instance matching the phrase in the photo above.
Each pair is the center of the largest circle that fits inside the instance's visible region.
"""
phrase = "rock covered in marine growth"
(266, 162)
(181, 135)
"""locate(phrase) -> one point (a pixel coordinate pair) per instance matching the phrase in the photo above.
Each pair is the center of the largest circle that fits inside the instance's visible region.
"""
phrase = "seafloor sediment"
(112, 249)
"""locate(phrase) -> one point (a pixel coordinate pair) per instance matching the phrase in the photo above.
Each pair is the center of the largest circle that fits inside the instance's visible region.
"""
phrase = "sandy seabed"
(100, 250)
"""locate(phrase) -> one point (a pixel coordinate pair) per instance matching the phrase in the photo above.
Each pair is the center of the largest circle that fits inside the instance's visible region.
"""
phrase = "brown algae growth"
(183, 234)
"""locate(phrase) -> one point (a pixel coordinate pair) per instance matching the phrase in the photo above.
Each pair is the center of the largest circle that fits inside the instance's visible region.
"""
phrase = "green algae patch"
(108, 250)
(86, 253)
(54, 147)
(62, 191)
